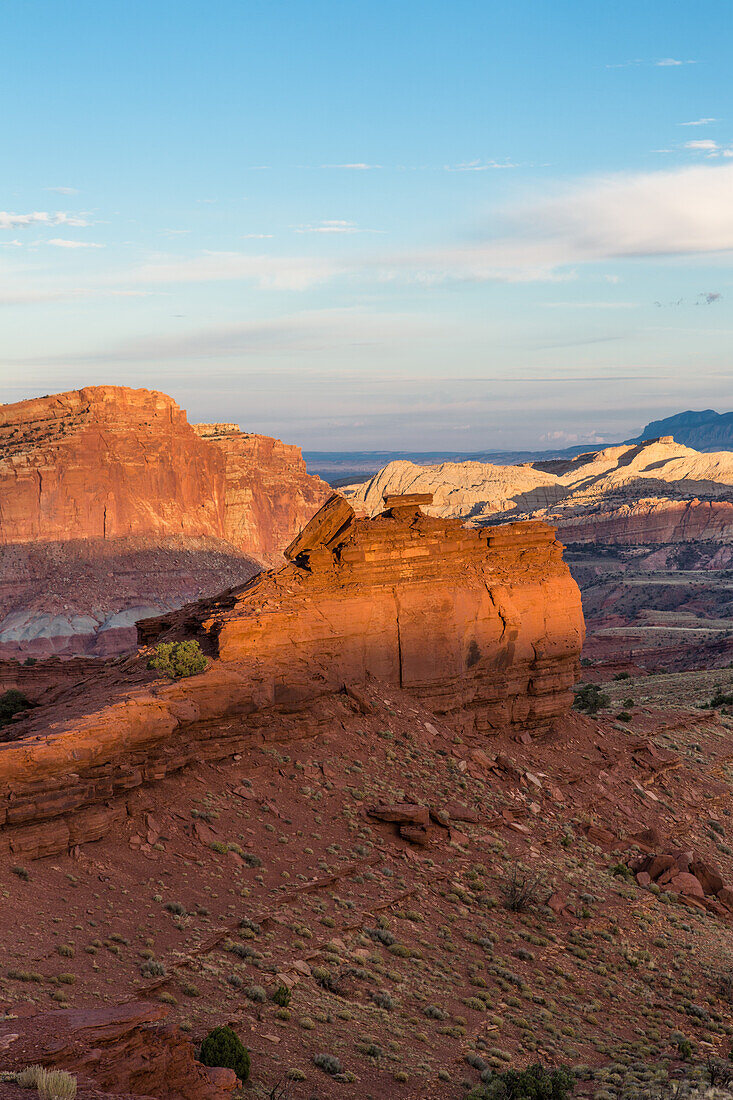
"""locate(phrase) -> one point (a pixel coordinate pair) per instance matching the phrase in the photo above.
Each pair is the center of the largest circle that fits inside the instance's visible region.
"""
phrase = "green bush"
(178, 659)
(534, 1083)
(12, 702)
(590, 699)
(282, 996)
(223, 1047)
(720, 699)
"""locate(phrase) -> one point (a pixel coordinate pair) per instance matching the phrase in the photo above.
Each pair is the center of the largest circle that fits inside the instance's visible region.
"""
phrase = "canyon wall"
(105, 462)
(269, 495)
(486, 627)
(112, 506)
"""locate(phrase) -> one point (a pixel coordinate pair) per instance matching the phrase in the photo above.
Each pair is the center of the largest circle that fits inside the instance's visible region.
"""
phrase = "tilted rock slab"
(484, 626)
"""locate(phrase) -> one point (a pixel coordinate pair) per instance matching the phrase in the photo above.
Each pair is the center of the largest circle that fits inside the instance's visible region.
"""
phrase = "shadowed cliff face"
(112, 506)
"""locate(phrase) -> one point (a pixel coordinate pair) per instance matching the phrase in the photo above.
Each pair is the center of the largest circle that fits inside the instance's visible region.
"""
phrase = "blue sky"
(372, 225)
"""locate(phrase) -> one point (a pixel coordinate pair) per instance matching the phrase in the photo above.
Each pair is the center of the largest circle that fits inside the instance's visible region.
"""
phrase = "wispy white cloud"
(333, 226)
(256, 236)
(314, 330)
(9, 220)
(62, 242)
(480, 165)
(671, 62)
(659, 63)
(63, 190)
(699, 122)
(270, 272)
(358, 166)
(710, 148)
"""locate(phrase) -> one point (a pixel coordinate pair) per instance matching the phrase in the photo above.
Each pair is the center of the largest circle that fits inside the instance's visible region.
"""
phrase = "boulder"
(659, 864)
(709, 876)
(402, 813)
(685, 883)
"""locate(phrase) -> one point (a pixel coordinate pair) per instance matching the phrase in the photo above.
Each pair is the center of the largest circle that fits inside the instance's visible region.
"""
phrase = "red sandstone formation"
(112, 506)
(105, 462)
(484, 626)
(126, 1049)
(268, 494)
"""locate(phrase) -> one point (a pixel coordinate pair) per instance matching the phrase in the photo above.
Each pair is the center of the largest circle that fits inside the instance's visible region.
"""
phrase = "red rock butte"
(483, 625)
(111, 462)
(113, 506)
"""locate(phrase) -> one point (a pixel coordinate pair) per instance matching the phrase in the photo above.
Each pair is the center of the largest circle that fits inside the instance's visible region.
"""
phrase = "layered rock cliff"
(269, 495)
(105, 462)
(112, 506)
(484, 626)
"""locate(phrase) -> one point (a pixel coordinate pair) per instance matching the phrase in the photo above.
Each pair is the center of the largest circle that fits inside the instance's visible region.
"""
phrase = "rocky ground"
(409, 970)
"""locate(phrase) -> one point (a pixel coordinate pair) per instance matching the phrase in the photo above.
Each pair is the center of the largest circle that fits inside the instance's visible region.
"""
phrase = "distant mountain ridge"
(705, 430)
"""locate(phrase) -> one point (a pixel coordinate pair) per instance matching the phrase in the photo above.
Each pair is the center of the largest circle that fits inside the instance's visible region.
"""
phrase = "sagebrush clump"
(178, 659)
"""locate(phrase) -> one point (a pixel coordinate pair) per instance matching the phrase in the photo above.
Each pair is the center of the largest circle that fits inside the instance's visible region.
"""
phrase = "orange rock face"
(113, 506)
(484, 626)
(268, 494)
(111, 462)
(486, 620)
(105, 462)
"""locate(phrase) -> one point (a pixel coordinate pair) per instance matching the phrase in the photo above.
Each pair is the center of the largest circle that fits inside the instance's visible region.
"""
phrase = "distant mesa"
(111, 501)
(705, 430)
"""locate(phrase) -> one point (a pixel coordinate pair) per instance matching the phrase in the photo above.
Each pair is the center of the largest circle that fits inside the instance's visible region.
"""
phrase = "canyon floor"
(406, 965)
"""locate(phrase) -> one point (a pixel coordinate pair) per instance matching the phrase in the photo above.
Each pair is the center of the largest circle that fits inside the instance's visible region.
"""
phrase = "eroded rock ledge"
(484, 626)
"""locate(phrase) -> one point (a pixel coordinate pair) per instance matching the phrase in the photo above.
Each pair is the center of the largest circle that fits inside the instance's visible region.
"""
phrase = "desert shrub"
(56, 1084)
(622, 676)
(178, 659)
(720, 699)
(175, 908)
(256, 993)
(223, 1047)
(328, 1063)
(151, 968)
(537, 1082)
(282, 996)
(719, 1070)
(522, 890)
(28, 1077)
(590, 699)
(624, 716)
(12, 702)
